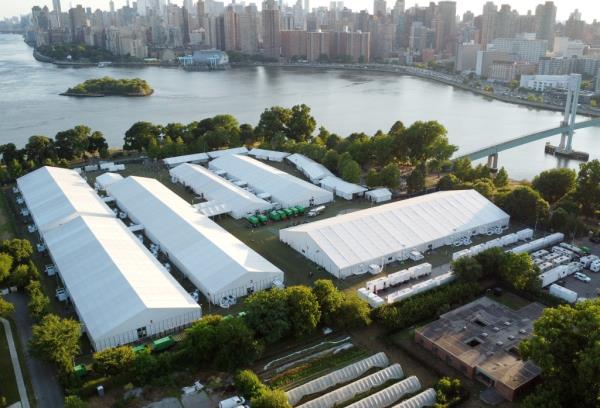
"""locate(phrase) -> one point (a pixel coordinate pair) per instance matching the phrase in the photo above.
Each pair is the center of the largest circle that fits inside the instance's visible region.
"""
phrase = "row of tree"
(423, 145)
(68, 145)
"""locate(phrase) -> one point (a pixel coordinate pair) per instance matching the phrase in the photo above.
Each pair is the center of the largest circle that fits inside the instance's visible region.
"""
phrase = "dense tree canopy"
(56, 340)
(112, 86)
(524, 204)
(554, 184)
(588, 187)
(566, 346)
(267, 314)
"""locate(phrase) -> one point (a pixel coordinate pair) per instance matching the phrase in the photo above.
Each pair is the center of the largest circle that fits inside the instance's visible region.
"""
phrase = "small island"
(108, 86)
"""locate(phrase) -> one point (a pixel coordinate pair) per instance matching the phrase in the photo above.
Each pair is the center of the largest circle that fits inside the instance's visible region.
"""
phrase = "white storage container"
(399, 295)
(461, 254)
(377, 284)
(595, 266)
(91, 167)
(509, 239)
(525, 234)
(399, 277)
(563, 293)
(418, 271)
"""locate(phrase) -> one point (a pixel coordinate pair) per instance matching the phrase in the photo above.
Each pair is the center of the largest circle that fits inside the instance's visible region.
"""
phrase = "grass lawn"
(8, 384)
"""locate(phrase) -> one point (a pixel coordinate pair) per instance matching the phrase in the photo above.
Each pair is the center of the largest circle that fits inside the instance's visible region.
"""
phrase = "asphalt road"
(44, 379)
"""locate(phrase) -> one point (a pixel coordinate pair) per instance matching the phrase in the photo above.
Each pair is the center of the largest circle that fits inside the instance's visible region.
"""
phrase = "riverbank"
(424, 74)
(102, 95)
(75, 64)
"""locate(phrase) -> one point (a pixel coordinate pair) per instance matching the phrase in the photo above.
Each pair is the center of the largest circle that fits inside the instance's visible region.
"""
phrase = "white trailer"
(557, 273)
(572, 248)
(415, 256)
(540, 254)
(563, 293)
(545, 266)
(377, 284)
(595, 266)
(509, 239)
(418, 271)
(461, 254)
(586, 261)
(399, 277)
(539, 244)
(525, 234)
(399, 295)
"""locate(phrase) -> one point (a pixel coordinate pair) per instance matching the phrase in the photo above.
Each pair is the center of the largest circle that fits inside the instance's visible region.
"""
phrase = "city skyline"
(589, 11)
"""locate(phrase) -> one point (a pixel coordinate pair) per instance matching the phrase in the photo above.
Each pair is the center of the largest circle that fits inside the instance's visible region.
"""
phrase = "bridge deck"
(519, 141)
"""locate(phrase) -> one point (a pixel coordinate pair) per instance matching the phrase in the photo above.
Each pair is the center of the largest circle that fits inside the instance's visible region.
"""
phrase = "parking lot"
(588, 290)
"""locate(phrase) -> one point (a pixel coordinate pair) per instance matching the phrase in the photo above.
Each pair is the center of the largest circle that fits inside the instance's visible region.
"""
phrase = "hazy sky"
(589, 8)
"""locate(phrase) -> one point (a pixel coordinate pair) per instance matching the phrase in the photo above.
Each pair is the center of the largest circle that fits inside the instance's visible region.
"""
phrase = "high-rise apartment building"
(446, 27)
(271, 21)
(545, 19)
(379, 8)
(488, 23)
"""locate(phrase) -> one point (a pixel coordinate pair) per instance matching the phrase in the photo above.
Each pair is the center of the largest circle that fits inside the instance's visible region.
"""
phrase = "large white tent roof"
(226, 152)
(272, 155)
(54, 195)
(376, 232)
(104, 180)
(341, 187)
(113, 280)
(283, 187)
(214, 260)
(311, 169)
(215, 188)
(188, 158)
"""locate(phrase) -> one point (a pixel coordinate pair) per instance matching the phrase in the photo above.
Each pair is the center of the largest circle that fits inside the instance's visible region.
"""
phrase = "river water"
(343, 102)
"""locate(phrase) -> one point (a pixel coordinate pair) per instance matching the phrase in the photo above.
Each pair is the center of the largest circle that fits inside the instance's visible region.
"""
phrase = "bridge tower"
(573, 89)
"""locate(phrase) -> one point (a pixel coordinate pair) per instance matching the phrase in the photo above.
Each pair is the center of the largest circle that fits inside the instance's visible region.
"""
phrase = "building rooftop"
(486, 334)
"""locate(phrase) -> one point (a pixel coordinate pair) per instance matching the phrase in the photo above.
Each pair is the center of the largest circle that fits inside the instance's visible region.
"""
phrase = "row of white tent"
(216, 262)
(356, 384)
(119, 291)
(197, 158)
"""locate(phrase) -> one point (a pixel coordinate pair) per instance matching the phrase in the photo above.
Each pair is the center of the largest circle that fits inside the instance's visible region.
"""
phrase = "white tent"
(120, 292)
(310, 168)
(54, 196)
(215, 261)
(389, 395)
(214, 188)
(342, 188)
(106, 179)
(348, 244)
(426, 398)
(379, 195)
(271, 155)
(188, 158)
(226, 152)
(284, 188)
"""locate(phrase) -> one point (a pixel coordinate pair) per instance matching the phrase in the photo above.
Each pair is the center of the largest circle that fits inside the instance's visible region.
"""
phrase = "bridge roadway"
(519, 141)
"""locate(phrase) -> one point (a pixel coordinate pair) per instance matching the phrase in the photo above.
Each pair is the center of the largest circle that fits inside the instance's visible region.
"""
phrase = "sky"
(589, 8)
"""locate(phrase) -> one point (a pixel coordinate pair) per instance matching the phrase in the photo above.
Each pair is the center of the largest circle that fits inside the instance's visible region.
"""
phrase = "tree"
(501, 179)
(6, 263)
(97, 143)
(588, 187)
(140, 134)
(524, 204)
(56, 340)
(372, 178)
(448, 182)
(202, 339)
(493, 262)
(270, 399)
(415, 182)
(520, 272)
(329, 298)
(38, 301)
(272, 121)
(467, 269)
(23, 274)
(73, 401)
(39, 149)
(390, 176)
(554, 184)
(20, 249)
(304, 313)
(448, 391)
(425, 140)
(301, 124)
(351, 171)
(463, 170)
(330, 160)
(248, 384)
(566, 346)
(353, 313)
(236, 345)
(267, 314)
(6, 309)
(114, 361)
(485, 187)
(145, 366)
(72, 143)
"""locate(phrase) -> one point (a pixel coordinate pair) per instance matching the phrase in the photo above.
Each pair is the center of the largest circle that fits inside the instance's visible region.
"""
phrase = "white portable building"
(563, 293)
(215, 261)
(54, 196)
(314, 171)
(342, 188)
(271, 155)
(120, 292)
(226, 152)
(214, 188)
(347, 244)
(284, 188)
(379, 195)
(106, 179)
(188, 158)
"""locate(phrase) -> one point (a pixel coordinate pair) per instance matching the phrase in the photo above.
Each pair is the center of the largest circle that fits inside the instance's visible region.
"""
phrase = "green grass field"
(8, 384)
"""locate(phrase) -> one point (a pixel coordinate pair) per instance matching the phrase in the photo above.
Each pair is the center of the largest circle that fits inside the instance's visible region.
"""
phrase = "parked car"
(582, 277)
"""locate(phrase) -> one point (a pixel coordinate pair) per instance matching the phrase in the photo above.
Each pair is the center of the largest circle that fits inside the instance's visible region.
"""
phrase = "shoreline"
(102, 95)
(379, 68)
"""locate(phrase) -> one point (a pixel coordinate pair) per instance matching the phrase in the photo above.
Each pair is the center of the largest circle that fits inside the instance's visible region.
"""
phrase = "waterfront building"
(466, 57)
(521, 49)
(485, 59)
(542, 82)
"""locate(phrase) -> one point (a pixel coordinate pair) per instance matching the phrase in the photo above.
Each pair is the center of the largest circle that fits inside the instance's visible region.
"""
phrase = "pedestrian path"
(16, 366)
